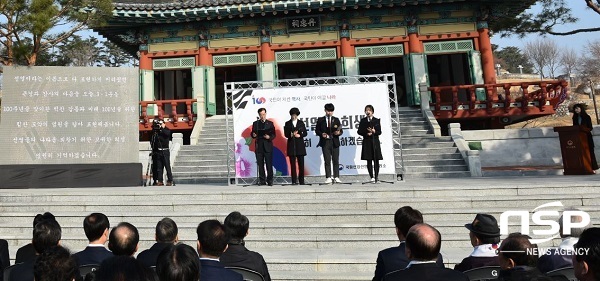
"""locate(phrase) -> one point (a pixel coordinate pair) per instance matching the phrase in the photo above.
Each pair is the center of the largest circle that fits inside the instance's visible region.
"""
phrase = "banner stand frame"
(233, 87)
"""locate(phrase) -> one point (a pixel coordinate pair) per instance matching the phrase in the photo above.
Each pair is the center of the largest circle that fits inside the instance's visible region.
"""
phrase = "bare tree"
(544, 55)
(589, 65)
(569, 60)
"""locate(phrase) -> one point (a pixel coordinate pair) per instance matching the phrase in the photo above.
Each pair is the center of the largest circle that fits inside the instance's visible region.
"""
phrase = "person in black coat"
(370, 129)
(484, 234)
(329, 130)
(95, 226)
(4, 257)
(263, 131)
(295, 131)
(237, 255)
(166, 235)
(581, 118)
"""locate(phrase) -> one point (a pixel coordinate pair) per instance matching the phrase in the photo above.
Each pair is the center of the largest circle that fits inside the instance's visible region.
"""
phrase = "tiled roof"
(158, 5)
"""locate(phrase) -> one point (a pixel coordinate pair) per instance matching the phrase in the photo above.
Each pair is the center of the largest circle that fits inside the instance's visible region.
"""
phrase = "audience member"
(178, 263)
(237, 255)
(123, 268)
(4, 257)
(96, 227)
(212, 242)
(562, 256)
(394, 258)
(46, 234)
(518, 260)
(485, 237)
(586, 258)
(27, 252)
(165, 235)
(55, 264)
(123, 239)
(423, 243)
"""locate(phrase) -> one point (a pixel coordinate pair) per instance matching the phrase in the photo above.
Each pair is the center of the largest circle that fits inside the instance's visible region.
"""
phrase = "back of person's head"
(485, 228)
(45, 216)
(55, 264)
(405, 218)
(123, 239)
(166, 231)
(123, 268)
(46, 234)
(236, 225)
(518, 249)
(94, 226)
(212, 238)
(575, 231)
(178, 263)
(587, 251)
(424, 242)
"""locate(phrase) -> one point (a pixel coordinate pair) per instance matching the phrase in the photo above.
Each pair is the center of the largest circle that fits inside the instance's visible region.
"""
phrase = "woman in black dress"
(295, 131)
(581, 118)
(370, 129)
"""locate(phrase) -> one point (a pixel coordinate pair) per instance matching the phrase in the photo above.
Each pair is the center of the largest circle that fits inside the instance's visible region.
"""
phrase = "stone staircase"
(424, 155)
(304, 232)
(205, 162)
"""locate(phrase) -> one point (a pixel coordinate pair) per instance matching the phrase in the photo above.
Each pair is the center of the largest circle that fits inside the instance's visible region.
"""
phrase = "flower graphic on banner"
(244, 160)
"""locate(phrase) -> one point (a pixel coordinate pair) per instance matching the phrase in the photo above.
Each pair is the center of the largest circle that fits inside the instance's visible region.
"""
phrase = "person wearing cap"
(485, 237)
(295, 131)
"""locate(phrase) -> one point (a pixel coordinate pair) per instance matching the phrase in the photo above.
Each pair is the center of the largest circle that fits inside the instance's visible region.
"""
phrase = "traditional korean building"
(188, 49)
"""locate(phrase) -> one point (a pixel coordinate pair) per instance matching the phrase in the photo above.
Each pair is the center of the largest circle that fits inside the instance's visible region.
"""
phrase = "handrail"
(145, 118)
(548, 90)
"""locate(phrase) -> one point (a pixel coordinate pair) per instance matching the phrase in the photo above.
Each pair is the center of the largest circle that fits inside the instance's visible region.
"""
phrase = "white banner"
(349, 102)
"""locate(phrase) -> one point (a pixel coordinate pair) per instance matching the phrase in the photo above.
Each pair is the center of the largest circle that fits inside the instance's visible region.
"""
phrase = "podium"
(575, 150)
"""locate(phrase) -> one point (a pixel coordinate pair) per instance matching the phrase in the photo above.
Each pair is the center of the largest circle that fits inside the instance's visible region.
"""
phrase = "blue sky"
(587, 19)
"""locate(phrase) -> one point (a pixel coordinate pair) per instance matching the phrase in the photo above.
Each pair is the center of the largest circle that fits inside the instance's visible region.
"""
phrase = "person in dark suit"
(394, 258)
(562, 256)
(581, 118)
(4, 257)
(516, 261)
(212, 242)
(178, 263)
(423, 244)
(96, 227)
(237, 255)
(295, 131)
(586, 260)
(27, 252)
(123, 239)
(123, 268)
(485, 237)
(263, 131)
(55, 264)
(329, 130)
(370, 129)
(46, 234)
(165, 236)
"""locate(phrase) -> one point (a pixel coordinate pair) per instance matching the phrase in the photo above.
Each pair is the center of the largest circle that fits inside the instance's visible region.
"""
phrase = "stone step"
(442, 156)
(425, 175)
(419, 132)
(203, 168)
(298, 216)
(216, 151)
(433, 162)
(428, 144)
(429, 150)
(211, 203)
(419, 139)
(435, 168)
(202, 159)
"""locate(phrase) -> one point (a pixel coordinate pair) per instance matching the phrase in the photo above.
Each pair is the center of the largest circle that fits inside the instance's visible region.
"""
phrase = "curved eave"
(252, 9)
